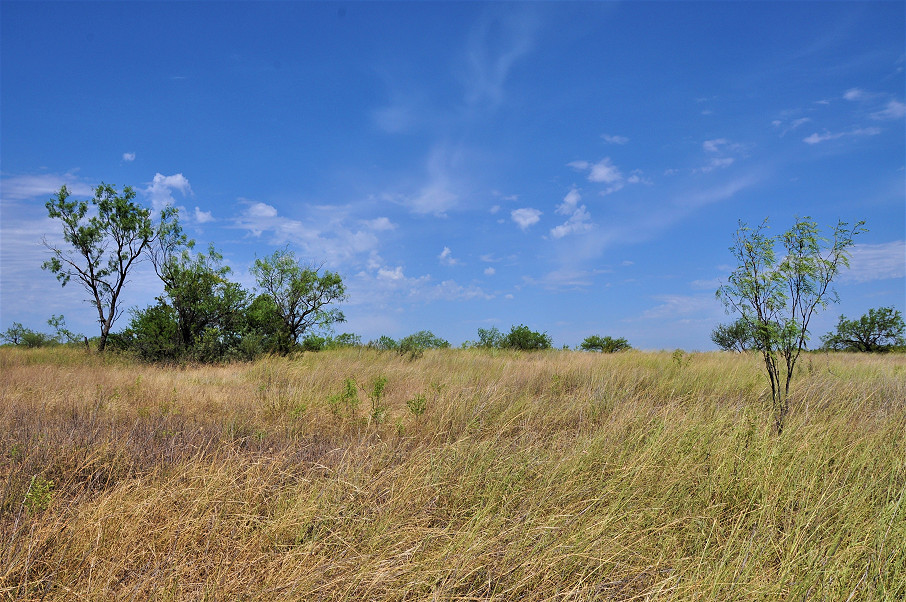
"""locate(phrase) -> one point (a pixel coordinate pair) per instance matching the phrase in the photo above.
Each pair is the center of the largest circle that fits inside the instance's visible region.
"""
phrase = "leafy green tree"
(19, 335)
(489, 338)
(153, 334)
(735, 336)
(879, 330)
(61, 333)
(417, 343)
(604, 344)
(524, 338)
(14, 334)
(100, 249)
(202, 296)
(777, 294)
(300, 294)
(384, 343)
(264, 325)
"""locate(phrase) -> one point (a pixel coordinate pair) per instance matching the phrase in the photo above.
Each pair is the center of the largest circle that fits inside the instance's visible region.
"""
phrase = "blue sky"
(576, 167)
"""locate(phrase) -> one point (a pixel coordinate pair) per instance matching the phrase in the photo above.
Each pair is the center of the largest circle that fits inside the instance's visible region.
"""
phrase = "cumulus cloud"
(326, 236)
(160, 190)
(489, 271)
(203, 217)
(446, 257)
(579, 218)
(579, 221)
(604, 171)
(128, 157)
(525, 217)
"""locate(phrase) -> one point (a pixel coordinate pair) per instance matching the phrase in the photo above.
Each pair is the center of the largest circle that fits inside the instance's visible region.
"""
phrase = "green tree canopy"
(301, 295)
(604, 344)
(735, 336)
(879, 330)
(777, 294)
(103, 240)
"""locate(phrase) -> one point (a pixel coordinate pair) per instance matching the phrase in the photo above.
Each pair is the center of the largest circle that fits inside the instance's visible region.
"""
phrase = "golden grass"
(549, 476)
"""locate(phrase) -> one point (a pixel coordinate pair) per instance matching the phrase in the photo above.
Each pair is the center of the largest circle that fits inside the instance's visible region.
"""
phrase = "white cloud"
(446, 257)
(579, 218)
(489, 271)
(614, 139)
(45, 185)
(579, 221)
(325, 236)
(379, 224)
(854, 94)
(203, 217)
(161, 188)
(497, 42)
(437, 196)
(717, 163)
(525, 217)
(876, 262)
(673, 306)
(817, 138)
(261, 210)
(794, 124)
(605, 171)
(394, 275)
(570, 202)
(714, 146)
(128, 157)
(894, 110)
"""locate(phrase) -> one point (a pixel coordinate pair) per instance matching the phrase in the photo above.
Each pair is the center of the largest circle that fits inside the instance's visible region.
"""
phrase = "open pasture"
(471, 475)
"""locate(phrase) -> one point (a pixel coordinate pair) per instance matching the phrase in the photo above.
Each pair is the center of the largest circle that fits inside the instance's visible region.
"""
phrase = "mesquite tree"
(300, 294)
(777, 294)
(104, 239)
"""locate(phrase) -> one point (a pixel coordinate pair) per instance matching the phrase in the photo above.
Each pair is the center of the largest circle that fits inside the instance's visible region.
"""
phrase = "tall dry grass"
(551, 476)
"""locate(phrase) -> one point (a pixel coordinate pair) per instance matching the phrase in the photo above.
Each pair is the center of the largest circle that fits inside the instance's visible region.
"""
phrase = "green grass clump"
(469, 476)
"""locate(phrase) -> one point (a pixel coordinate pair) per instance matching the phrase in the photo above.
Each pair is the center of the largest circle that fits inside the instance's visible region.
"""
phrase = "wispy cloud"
(437, 196)
(893, 110)
(674, 306)
(612, 139)
(128, 157)
(876, 262)
(496, 43)
(817, 138)
(18, 188)
(854, 94)
(525, 217)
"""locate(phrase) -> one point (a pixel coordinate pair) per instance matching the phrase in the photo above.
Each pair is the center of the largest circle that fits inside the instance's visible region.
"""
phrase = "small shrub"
(417, 405)
(38, 496)
(378, 409)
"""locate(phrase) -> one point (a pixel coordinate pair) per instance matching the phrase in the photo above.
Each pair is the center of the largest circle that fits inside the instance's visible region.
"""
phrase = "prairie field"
(471, 475)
